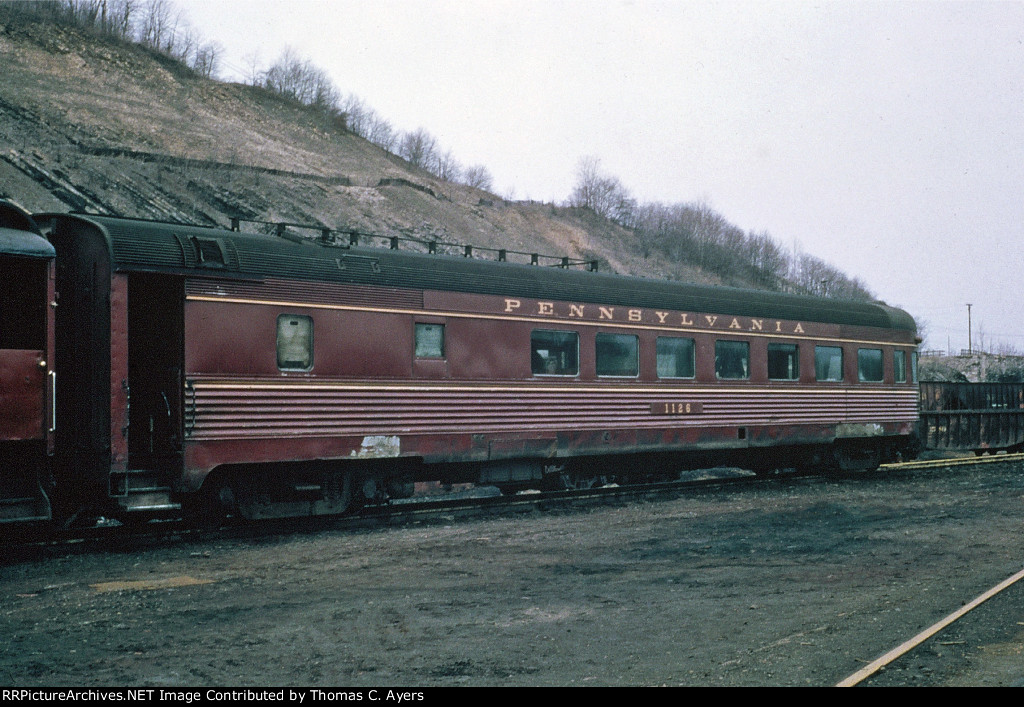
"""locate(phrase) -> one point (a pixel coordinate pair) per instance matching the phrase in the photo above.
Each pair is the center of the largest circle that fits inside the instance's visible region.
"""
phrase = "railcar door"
(155, 317)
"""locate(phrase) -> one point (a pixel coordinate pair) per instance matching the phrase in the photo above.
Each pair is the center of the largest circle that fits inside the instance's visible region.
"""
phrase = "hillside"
(94, 124)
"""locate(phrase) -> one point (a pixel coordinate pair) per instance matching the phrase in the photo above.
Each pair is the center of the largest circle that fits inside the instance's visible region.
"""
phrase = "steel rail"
(956, 461)
(907, 646)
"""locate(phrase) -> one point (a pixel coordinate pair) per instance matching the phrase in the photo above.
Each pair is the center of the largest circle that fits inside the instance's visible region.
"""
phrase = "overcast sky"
(884, 138)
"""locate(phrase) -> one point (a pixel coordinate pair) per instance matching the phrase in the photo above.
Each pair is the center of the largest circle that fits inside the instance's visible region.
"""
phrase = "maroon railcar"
(27, 377)
(281, 376)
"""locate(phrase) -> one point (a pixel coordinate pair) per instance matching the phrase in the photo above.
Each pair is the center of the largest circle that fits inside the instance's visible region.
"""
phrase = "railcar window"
(783, 362)
(294, 342)
(617, 355)
(429, 340)
(554, 353)
(732, 360)
(913, 367)
(899, 366)
(675, 357)
(828, 363)
(869, 365)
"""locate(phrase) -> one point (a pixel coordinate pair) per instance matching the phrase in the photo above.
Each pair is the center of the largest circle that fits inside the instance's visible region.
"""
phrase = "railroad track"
(425, 509)
(959, 461)
(106, 535)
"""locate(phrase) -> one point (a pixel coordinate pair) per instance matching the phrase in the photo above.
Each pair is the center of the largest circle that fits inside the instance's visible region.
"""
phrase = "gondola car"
(264, 376)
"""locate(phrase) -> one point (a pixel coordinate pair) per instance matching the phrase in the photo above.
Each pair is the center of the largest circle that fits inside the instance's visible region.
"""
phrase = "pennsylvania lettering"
(653, 317)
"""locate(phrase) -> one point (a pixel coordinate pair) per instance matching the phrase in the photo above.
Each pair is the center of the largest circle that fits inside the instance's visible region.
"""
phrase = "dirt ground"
(798, 583)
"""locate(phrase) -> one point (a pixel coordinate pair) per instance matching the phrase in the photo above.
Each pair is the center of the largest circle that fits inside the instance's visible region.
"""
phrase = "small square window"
(430, 341)
(732, 360)
(828, 363)
(294, 342)
(675, 357)
(899, 366)
(554, 353)
(617, 355)
(783, 362)
(869, 365)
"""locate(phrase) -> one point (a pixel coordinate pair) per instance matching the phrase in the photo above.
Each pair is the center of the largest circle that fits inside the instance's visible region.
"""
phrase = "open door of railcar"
(155, 336)
(119, 404)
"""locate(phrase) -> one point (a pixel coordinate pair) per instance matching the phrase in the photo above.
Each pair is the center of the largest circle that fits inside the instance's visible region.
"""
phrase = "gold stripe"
(533, 320)
(214, 384)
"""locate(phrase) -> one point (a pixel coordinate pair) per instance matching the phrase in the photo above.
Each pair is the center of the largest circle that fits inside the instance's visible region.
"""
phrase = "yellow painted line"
(146, 584)
(607, 324)
(920, 638)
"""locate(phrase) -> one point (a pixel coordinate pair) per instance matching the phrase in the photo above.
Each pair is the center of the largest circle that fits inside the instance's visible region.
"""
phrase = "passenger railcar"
(26, 373)
(271, 376)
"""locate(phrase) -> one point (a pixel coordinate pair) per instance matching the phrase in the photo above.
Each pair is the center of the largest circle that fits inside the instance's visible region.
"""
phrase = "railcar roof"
(19, 234)
(24, 244)
(148, 245)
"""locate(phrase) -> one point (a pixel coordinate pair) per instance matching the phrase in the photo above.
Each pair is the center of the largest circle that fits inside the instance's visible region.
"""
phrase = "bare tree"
(602, 194)
(357, 114)
(297, 78)
(418, 148)
(445, 166)
(478, 177)
(381, 133)
(118, 17)
(158, 24)
(254, 73)
(206, 59)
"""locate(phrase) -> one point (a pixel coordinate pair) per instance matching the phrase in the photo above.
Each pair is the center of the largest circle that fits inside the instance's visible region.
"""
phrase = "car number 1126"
(679, 408)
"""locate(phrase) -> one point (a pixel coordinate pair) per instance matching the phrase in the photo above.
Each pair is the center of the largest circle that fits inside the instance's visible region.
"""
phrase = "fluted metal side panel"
(234, 410)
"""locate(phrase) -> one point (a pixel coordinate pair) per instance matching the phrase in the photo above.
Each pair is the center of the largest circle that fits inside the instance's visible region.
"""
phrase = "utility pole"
(970, 350)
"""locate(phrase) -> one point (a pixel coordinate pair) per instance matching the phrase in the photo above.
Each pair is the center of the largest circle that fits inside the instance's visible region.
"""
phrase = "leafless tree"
(478, 177)
(381, 133)
(418, 148)
(158, 24)
(254, 73)
(297, 78)
(357, 114)
(206, 59)
(602, 194)
(109, 17)
(445, 166)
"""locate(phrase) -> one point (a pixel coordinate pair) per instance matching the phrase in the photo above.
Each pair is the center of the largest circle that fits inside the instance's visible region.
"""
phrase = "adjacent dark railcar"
(274, 377)
(27, 378)
(972, 417)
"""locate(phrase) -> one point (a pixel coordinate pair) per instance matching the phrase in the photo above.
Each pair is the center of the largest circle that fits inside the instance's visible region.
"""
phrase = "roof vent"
(210, 252)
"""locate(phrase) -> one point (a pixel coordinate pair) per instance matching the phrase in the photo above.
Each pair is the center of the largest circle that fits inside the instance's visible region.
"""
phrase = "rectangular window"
(294, 342)
(913, 367)
(429, 340)
(617, 355)
(732, 360)
(869, 365)
(555, 353)
(828, 363)
(783, 362)
(899, 366)
(675, 357)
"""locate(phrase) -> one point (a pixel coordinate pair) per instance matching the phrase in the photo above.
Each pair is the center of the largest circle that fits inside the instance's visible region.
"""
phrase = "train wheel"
(857, 458)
